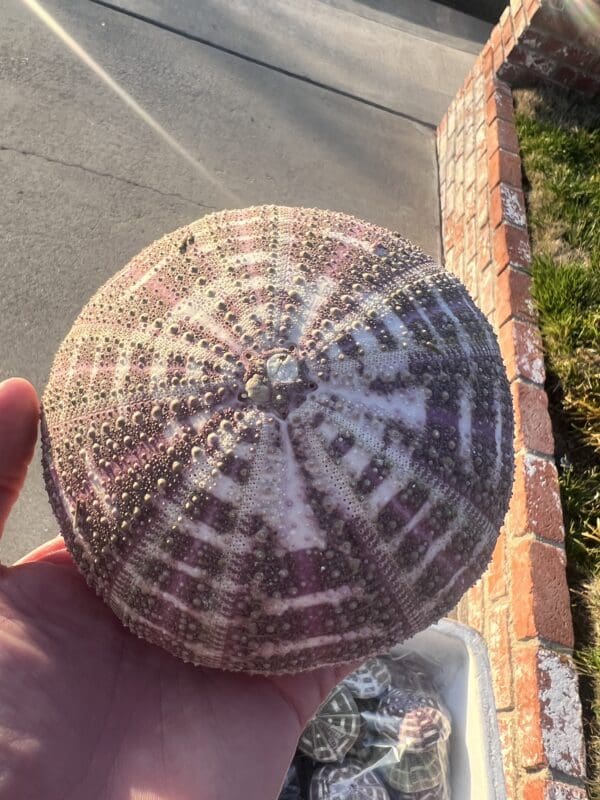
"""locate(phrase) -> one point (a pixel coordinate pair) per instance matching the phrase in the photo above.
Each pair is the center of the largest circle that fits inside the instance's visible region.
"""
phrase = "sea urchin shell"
(279, 438)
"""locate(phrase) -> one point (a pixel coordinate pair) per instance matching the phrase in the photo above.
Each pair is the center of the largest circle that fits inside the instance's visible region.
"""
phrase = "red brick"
(514, 297)
(581, 58)
(529, 743)
(482, 173)
(470, 238)
(532, 423)
(511, 247)
(470, 170)
(531, 7)
(496, 36)
(498, 56)
(539, 591)
(508, 736)
(510, 206)
(488, 61)
(475, 605)
(507, 30)
(496, 572)
(481, 140)
(502, 133)
(515, 75)
(499, 651)
(573, 79)
(487, 281)
(535, 505)
(505, 167)
(553, 790)
(519, 22)
(472, 278)
(484, 251)
(500, 104)
(550, 731)
(521, 347)
(533, 61)
(515, 6)
(482, 209)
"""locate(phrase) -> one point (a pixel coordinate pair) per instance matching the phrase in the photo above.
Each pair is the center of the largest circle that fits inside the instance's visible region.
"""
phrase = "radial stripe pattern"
(279, 438)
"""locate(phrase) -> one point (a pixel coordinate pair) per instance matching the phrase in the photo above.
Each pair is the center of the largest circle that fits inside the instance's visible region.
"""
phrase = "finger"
(19, 413)
(48, 551)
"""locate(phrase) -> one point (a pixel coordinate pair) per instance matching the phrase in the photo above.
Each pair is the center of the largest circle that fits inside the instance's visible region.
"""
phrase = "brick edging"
(521, 605)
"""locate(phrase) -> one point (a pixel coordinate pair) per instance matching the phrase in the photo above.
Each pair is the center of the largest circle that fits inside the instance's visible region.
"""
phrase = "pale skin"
(90, 712)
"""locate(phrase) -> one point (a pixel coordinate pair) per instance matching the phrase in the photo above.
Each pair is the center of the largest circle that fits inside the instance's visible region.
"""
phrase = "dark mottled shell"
(370, 680)
(279, 438)
(347, 782)
(334, 729)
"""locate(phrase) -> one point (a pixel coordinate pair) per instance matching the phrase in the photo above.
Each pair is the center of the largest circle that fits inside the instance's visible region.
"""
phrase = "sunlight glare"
(129, 101)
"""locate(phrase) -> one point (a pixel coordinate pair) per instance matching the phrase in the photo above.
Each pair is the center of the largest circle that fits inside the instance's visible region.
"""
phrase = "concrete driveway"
(327, 104)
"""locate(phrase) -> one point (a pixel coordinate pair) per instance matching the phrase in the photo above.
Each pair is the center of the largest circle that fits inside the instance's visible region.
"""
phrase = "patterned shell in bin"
(334, 729)
(347, 782)
(279, 438)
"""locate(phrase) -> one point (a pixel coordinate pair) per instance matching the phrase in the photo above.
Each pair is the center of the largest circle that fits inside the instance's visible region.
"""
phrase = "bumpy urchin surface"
(279, 438)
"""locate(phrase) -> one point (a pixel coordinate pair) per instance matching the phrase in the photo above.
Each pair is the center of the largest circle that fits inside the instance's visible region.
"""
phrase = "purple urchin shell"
(279, 438)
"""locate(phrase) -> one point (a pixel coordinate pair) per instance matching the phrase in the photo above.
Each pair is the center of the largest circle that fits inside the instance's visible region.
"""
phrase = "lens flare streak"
(129, 101)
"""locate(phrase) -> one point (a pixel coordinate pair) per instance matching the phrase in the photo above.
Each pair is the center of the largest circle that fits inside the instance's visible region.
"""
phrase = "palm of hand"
(89, 712)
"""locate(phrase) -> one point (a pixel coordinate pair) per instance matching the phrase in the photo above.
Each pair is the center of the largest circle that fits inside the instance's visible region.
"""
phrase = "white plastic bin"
(464, 678)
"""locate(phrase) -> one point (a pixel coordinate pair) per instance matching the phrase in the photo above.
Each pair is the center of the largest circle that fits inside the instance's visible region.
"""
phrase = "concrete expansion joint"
(100, 174)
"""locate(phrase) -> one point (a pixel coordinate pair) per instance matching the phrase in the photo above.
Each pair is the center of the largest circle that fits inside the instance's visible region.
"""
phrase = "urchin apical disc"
(279, 438)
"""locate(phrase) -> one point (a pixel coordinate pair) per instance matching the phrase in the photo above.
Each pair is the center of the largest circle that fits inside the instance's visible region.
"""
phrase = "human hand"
(90, 712)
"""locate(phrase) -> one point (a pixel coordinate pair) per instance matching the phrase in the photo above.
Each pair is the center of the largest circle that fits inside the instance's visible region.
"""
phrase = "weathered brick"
(469, 177)
(519, 22)
(515, 6)
(532, 7)
(507, 205)
(539, 789)
(482, 208)
(534, 61)
(521, 347)
(539, 592)
(573, 79)
(496, 36)
(529, 745)
(508, 736)
(499, 650)
(498, 56)
(481, 140)
(484, 250)
(475, 605)
(488, 64)
(532, 423)
(514, 297)
(470, 238)
(496, 571)
(549, 712)
(481, 170)
(502, 133)
(499, 104)
(505, 167)
(511, 247)
(508, 36)
(487, 281)
(514, 75)
(535, 505)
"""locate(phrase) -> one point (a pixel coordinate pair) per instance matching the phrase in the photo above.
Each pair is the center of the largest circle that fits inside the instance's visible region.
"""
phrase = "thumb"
(19, 413)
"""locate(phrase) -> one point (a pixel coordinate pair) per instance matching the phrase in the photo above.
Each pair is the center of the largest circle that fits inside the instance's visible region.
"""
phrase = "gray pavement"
(326, 104)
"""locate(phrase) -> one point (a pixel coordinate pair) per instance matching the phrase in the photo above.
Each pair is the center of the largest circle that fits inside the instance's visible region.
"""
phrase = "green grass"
(560, 147)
